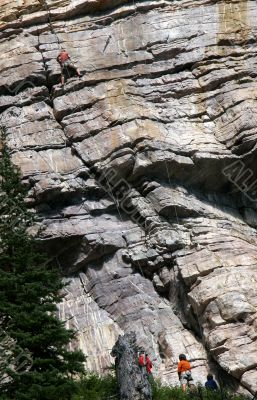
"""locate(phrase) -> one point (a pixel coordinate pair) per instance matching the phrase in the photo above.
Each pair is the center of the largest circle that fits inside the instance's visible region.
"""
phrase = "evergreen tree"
(35, 363)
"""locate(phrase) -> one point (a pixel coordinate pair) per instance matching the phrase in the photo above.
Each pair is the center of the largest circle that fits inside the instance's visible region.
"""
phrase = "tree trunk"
(132, 379)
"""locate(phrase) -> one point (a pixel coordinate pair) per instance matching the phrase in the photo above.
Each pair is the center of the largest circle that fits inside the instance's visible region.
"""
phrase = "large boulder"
(133, 380)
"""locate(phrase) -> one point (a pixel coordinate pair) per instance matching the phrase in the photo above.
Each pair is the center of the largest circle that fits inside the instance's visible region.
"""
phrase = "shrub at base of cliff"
(94, 387)
(161, 392)
(34, 361)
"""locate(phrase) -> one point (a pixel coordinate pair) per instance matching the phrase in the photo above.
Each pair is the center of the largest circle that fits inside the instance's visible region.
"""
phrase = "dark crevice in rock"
(48, 82)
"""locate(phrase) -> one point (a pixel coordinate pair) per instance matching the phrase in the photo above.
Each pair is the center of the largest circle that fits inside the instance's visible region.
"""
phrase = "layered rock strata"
(142, 173)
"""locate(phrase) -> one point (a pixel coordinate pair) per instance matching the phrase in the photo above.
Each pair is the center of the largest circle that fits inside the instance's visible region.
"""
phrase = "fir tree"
(35, 363)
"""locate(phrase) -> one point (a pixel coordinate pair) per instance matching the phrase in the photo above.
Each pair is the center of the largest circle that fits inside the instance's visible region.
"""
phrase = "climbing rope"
(50, 20)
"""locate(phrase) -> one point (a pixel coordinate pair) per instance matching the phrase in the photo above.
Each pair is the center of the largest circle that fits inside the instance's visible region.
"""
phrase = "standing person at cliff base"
(148, 364)
(211, 383)
(184, 373)
(65, 62)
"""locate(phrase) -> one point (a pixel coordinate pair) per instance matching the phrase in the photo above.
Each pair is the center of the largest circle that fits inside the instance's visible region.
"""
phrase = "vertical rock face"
(132, 379)
(143, 173)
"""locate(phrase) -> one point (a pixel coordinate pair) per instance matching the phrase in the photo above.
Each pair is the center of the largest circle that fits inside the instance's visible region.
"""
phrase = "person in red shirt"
(184, 372)
(148, 364)
(141, 359)
(65, 62)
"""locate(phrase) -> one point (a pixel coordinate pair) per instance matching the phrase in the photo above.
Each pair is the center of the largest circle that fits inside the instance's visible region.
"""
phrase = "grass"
(161, 392)
(94, 387)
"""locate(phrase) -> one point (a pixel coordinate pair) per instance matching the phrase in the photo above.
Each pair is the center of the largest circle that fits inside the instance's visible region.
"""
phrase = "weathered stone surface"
(143, 173)
(132, 379)
(97, 332)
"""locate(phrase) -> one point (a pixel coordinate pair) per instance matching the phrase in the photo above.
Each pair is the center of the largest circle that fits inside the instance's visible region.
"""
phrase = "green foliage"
(35, 363)
(162, 392)
(94, 387)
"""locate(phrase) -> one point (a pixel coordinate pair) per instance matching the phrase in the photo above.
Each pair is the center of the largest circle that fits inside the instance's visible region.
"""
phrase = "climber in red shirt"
(65, 62)
(141, 359)
(148, 364)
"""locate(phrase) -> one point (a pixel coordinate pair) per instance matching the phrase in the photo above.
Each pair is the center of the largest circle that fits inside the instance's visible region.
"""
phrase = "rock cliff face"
(142, 173)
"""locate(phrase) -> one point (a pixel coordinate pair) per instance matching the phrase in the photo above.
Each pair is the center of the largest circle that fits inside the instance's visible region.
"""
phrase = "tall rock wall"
(142, 173)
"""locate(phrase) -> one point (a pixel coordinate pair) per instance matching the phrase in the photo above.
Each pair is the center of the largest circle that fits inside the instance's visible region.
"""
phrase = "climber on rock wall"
(148, 364)
(141, 359)
(144, 361)
(65, 62)
(184, 373)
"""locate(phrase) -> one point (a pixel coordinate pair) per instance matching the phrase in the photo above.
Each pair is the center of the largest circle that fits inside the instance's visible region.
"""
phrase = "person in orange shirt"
(184, 373)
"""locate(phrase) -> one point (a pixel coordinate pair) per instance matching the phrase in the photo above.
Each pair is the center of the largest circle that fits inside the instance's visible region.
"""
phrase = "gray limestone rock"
(143, 172)
(132, 379)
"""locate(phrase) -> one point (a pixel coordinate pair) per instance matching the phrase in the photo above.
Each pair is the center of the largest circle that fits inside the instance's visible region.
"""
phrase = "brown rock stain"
(11, 11)
(234, 27)
(115, 101)
(233, 32)
(120, 106)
